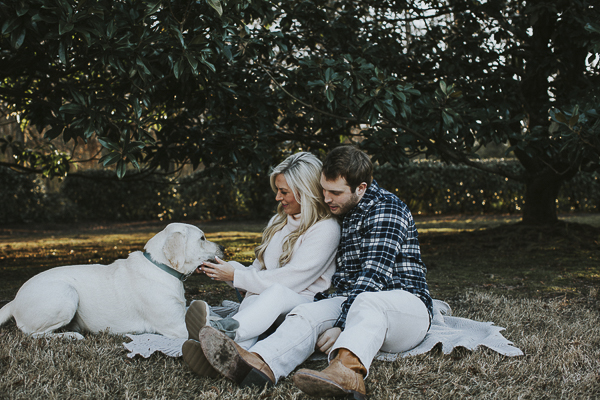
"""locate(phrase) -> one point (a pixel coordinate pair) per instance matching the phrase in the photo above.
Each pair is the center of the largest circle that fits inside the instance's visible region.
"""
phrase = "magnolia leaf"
(137, 109)
(53, 133)
(209, 65)
(19, 39)
(134, 162)
(90, 129)
(573, 120)
(9, 25)
(400, 96)
(447, 118)
(153, 7)
(193, 63)
(560, 117)
(329, 94)
(64, 27)
(592, 27)
(216, 4)
(121, 168)
(22, 8)
(71, 108)
(110, 29)
(62, 52)
(227, 53)
(109, 144)
(443, 87)
(110, 158)
(177, 69)
(78, 97)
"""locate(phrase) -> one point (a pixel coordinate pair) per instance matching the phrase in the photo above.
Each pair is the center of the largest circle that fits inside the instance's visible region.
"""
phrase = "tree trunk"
(541, 193)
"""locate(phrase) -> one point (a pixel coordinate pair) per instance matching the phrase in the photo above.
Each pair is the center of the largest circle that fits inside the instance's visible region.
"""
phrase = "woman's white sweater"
(308, 272)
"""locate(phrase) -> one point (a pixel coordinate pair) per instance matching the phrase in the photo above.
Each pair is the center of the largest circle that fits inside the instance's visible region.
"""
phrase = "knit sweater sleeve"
(313, 259)
(240, 266)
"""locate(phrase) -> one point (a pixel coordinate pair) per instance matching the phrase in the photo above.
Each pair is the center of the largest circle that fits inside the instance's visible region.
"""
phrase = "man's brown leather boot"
(344, 376)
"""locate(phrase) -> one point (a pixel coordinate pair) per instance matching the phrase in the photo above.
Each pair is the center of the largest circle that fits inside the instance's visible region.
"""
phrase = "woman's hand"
(327, 339)
(220, 272)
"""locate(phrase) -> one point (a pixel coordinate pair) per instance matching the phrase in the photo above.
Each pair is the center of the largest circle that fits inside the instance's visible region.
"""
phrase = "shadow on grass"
(462, 253)
(539, 283)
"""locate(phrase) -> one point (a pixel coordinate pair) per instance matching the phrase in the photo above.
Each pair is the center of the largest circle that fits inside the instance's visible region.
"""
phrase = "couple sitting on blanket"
(381, 301)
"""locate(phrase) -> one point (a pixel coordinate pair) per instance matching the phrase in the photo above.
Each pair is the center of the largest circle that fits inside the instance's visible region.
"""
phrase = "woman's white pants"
(259, 311)
(392, 321)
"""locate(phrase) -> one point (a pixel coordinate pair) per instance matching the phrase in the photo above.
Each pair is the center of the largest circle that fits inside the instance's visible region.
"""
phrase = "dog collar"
(166, 268)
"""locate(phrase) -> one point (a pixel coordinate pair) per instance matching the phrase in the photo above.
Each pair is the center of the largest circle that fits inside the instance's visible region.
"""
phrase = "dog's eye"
(203, 238)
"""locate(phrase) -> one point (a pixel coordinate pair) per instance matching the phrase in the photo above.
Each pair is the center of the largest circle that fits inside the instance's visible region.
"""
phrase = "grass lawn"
(541, 284)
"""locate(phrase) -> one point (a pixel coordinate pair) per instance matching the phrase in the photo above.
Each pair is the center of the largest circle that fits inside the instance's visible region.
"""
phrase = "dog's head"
(183, 247)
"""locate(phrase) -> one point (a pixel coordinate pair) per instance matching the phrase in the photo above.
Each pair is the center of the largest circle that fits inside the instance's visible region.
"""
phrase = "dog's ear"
(174, 249)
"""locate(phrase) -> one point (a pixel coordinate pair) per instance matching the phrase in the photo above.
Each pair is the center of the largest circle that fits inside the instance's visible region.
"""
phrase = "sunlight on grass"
(559, 339)
(541, 285)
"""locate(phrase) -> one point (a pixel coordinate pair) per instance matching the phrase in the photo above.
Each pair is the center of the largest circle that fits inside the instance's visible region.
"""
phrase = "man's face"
(338, 196)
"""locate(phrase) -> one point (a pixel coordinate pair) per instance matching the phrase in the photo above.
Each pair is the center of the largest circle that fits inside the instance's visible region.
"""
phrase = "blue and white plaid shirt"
(379, 250)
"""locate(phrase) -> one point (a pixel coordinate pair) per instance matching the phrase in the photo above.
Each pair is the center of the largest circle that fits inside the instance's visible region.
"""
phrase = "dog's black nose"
(222, 248)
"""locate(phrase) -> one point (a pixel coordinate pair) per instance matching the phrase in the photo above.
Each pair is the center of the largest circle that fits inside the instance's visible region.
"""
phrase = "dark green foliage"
(428, 187)
(155, 81)
(97, 195)
(199, 197)
(22, 197)
(228, 85)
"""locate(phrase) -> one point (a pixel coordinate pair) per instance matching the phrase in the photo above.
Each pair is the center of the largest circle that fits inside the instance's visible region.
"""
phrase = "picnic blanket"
(449, 331)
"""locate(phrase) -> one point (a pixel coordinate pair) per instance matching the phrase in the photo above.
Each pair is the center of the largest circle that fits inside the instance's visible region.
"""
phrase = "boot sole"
(196, 317)
(194, 357)
(318, 386)
(222, 354)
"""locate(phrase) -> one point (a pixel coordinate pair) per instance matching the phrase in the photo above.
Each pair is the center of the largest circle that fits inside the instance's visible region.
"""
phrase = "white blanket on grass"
(445, 329)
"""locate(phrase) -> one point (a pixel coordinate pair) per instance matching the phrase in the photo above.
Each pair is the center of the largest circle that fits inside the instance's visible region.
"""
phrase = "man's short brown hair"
(349, 163)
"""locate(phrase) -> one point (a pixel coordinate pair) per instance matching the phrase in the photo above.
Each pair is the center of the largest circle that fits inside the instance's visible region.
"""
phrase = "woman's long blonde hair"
(302, 172)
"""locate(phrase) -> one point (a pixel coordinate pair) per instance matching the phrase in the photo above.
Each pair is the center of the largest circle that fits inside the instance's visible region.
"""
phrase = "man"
(381, 301)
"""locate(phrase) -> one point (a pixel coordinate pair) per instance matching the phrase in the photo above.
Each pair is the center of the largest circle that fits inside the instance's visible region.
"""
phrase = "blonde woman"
(295, 261)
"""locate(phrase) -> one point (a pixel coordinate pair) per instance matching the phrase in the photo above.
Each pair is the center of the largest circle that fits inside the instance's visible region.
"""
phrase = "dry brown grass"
(561, 341)
(541, 286)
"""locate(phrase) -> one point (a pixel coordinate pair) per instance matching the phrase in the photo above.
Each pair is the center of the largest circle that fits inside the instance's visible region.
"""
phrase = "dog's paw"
(66, 335)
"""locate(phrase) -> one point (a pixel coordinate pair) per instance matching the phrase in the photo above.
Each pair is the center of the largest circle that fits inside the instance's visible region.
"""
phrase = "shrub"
(202, 197)
(428, 187)
(432, 187)
(98, 195)
(22, 197)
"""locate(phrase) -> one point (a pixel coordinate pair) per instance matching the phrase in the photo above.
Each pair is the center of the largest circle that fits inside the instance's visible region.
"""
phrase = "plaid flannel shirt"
(379, 250)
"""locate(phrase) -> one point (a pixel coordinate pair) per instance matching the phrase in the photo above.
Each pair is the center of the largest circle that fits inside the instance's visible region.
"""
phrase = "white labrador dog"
(141, 294)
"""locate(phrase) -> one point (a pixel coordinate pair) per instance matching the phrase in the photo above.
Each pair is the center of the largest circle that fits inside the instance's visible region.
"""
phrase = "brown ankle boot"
(194, 357)
(234, 362)
(344, 376)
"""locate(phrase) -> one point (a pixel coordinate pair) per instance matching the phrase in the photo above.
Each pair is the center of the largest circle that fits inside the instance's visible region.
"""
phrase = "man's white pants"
(259, 311)
(393, 321)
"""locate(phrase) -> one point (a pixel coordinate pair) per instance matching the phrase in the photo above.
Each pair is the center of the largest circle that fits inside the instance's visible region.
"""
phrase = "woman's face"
(285, 196)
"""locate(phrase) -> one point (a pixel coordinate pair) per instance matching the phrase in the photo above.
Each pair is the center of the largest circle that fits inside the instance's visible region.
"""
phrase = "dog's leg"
(5, 313)
(67, 335)
(41, 309)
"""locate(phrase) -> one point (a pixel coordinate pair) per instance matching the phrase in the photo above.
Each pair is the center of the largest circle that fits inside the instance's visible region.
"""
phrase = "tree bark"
(541, 192)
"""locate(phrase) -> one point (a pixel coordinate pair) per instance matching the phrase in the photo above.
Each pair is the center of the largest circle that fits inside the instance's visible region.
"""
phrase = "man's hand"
(327, 339)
